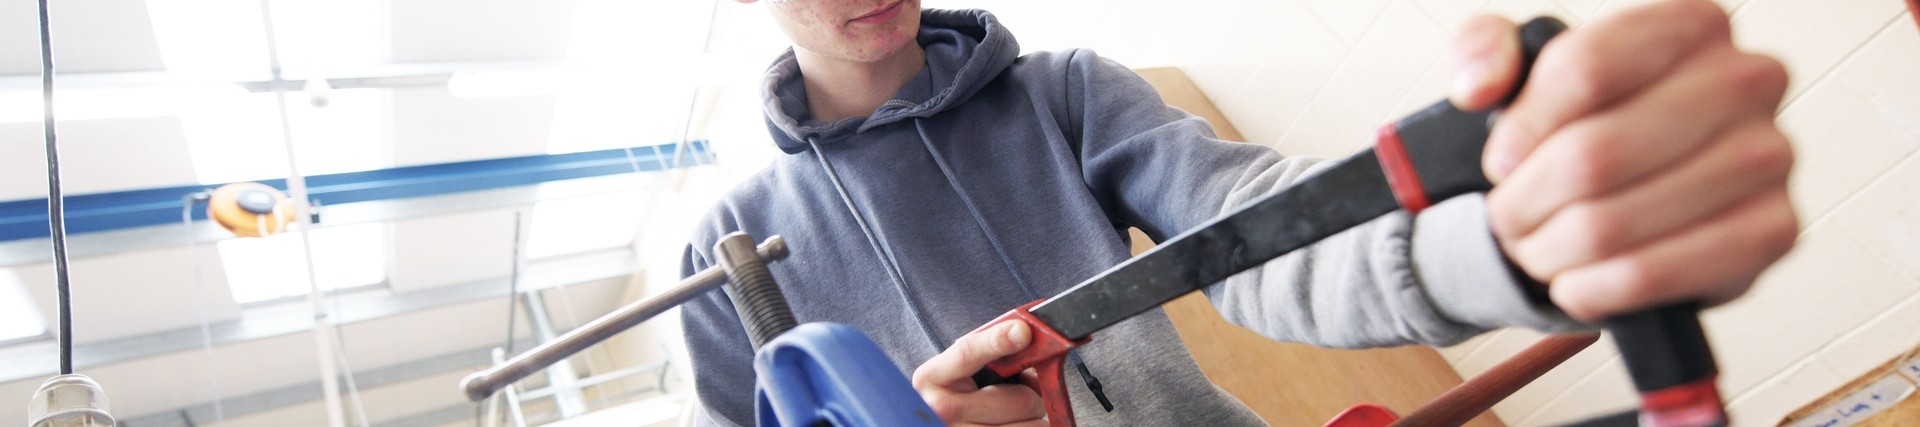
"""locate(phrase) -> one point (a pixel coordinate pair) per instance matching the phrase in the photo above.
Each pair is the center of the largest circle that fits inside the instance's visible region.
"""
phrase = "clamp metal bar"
(480, 385)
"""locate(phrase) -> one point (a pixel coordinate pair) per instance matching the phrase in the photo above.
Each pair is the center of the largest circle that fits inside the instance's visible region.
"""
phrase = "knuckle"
(1639, 281)
(921, 377)
(1534, 261)
(1768, 154)
(1576, 66)
(1780, 236)
(1502, 214)
(1704, 15)
(974, 347)
(943, 405)
(1594, 159)
(1760, 75)
(1601, 232)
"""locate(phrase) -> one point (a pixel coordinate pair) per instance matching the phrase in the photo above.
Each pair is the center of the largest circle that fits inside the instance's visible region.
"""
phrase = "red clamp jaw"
(1046, 354)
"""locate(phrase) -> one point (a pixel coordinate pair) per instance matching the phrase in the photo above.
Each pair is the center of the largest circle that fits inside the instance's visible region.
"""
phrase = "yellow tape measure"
(250, 209)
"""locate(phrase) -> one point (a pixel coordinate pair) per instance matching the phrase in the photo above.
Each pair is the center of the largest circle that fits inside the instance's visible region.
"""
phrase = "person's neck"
(838, 89)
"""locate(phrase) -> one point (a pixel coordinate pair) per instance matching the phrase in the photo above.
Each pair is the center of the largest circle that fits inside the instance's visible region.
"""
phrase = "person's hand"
(1640, 165)
(946, 381)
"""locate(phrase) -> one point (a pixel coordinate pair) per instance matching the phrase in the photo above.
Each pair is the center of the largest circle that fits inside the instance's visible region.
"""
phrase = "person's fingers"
(1639, 137)
(1590, 67)
(995, 405)
(1486, 60)
(1750, 159)
(953, 369)
(1714, 263)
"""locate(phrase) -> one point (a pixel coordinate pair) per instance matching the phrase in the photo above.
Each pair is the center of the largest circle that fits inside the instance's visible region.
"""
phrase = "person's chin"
(880, 48)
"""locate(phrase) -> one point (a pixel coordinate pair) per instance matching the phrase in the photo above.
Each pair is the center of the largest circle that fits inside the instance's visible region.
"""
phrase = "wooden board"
(1906, 413)
(1292, 384)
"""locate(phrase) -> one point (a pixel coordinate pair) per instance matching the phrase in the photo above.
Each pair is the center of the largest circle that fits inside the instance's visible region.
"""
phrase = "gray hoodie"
(993, 179)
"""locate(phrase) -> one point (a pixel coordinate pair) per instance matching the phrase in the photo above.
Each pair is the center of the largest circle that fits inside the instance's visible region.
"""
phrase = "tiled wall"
(1316, 76)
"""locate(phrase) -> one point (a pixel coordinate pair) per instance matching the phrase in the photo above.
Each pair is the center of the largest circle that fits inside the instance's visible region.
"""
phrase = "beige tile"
(1583, 9)
(1841, 143)
(1879, 340)
(1450, 13)
(1539, 393)
(1604, 391)
(1437, 78)
(1883, 72)
(1137, 33)
(1810, 36)
(1826, 286)
(1502, 346)
(1238, 39)
(1348, 18)
(1456, 352)
(1782, 394)
(1384, 65)
(1286, 82)
(1430, 88)
(1885, 219)
(1523, 10)
(1610, 7)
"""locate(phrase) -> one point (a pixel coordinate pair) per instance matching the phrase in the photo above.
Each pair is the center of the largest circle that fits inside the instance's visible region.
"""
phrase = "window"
(18, 316)
(273, 267)
(582, 224)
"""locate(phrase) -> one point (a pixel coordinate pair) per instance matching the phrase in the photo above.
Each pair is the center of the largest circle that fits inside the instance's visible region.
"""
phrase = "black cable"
(56, 214)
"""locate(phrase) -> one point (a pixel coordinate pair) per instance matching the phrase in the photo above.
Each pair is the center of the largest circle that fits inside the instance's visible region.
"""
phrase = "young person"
(935, 178)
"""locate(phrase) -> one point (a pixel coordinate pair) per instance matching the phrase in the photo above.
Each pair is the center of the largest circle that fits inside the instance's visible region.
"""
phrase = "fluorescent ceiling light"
(18, 316)
(273, 267)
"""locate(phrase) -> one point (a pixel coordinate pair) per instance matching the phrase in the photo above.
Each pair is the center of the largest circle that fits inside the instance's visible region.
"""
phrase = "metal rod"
(512, 397)
(1474, 396)
(571, 402)
(481, 384)
(297, 189)
(513, 278)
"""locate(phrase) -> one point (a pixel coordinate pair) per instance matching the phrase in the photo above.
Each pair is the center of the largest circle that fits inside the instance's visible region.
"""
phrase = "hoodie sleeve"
(1436, 279)
(722, 356)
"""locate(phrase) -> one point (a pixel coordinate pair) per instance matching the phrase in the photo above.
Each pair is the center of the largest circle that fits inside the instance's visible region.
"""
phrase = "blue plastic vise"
(826, 373)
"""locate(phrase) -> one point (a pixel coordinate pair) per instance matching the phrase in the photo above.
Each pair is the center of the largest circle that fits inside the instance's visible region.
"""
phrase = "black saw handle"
(1665, 349)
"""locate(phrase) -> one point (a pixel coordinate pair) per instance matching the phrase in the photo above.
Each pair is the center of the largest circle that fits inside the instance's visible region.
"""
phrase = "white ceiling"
(91, 36)
(149, 100)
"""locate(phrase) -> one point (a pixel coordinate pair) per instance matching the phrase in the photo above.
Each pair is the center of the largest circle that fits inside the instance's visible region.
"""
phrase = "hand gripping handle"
(1046, 354)
(1664, 348)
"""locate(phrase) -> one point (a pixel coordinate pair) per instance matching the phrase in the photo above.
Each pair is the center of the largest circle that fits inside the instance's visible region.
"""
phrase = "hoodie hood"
(965, 50)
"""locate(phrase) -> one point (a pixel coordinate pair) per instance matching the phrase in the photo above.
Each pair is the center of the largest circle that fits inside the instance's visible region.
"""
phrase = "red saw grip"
(1046, 354)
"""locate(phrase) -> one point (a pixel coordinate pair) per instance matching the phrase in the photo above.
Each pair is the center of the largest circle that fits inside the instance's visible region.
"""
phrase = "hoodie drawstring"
(880, 251)
(1086, 376)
